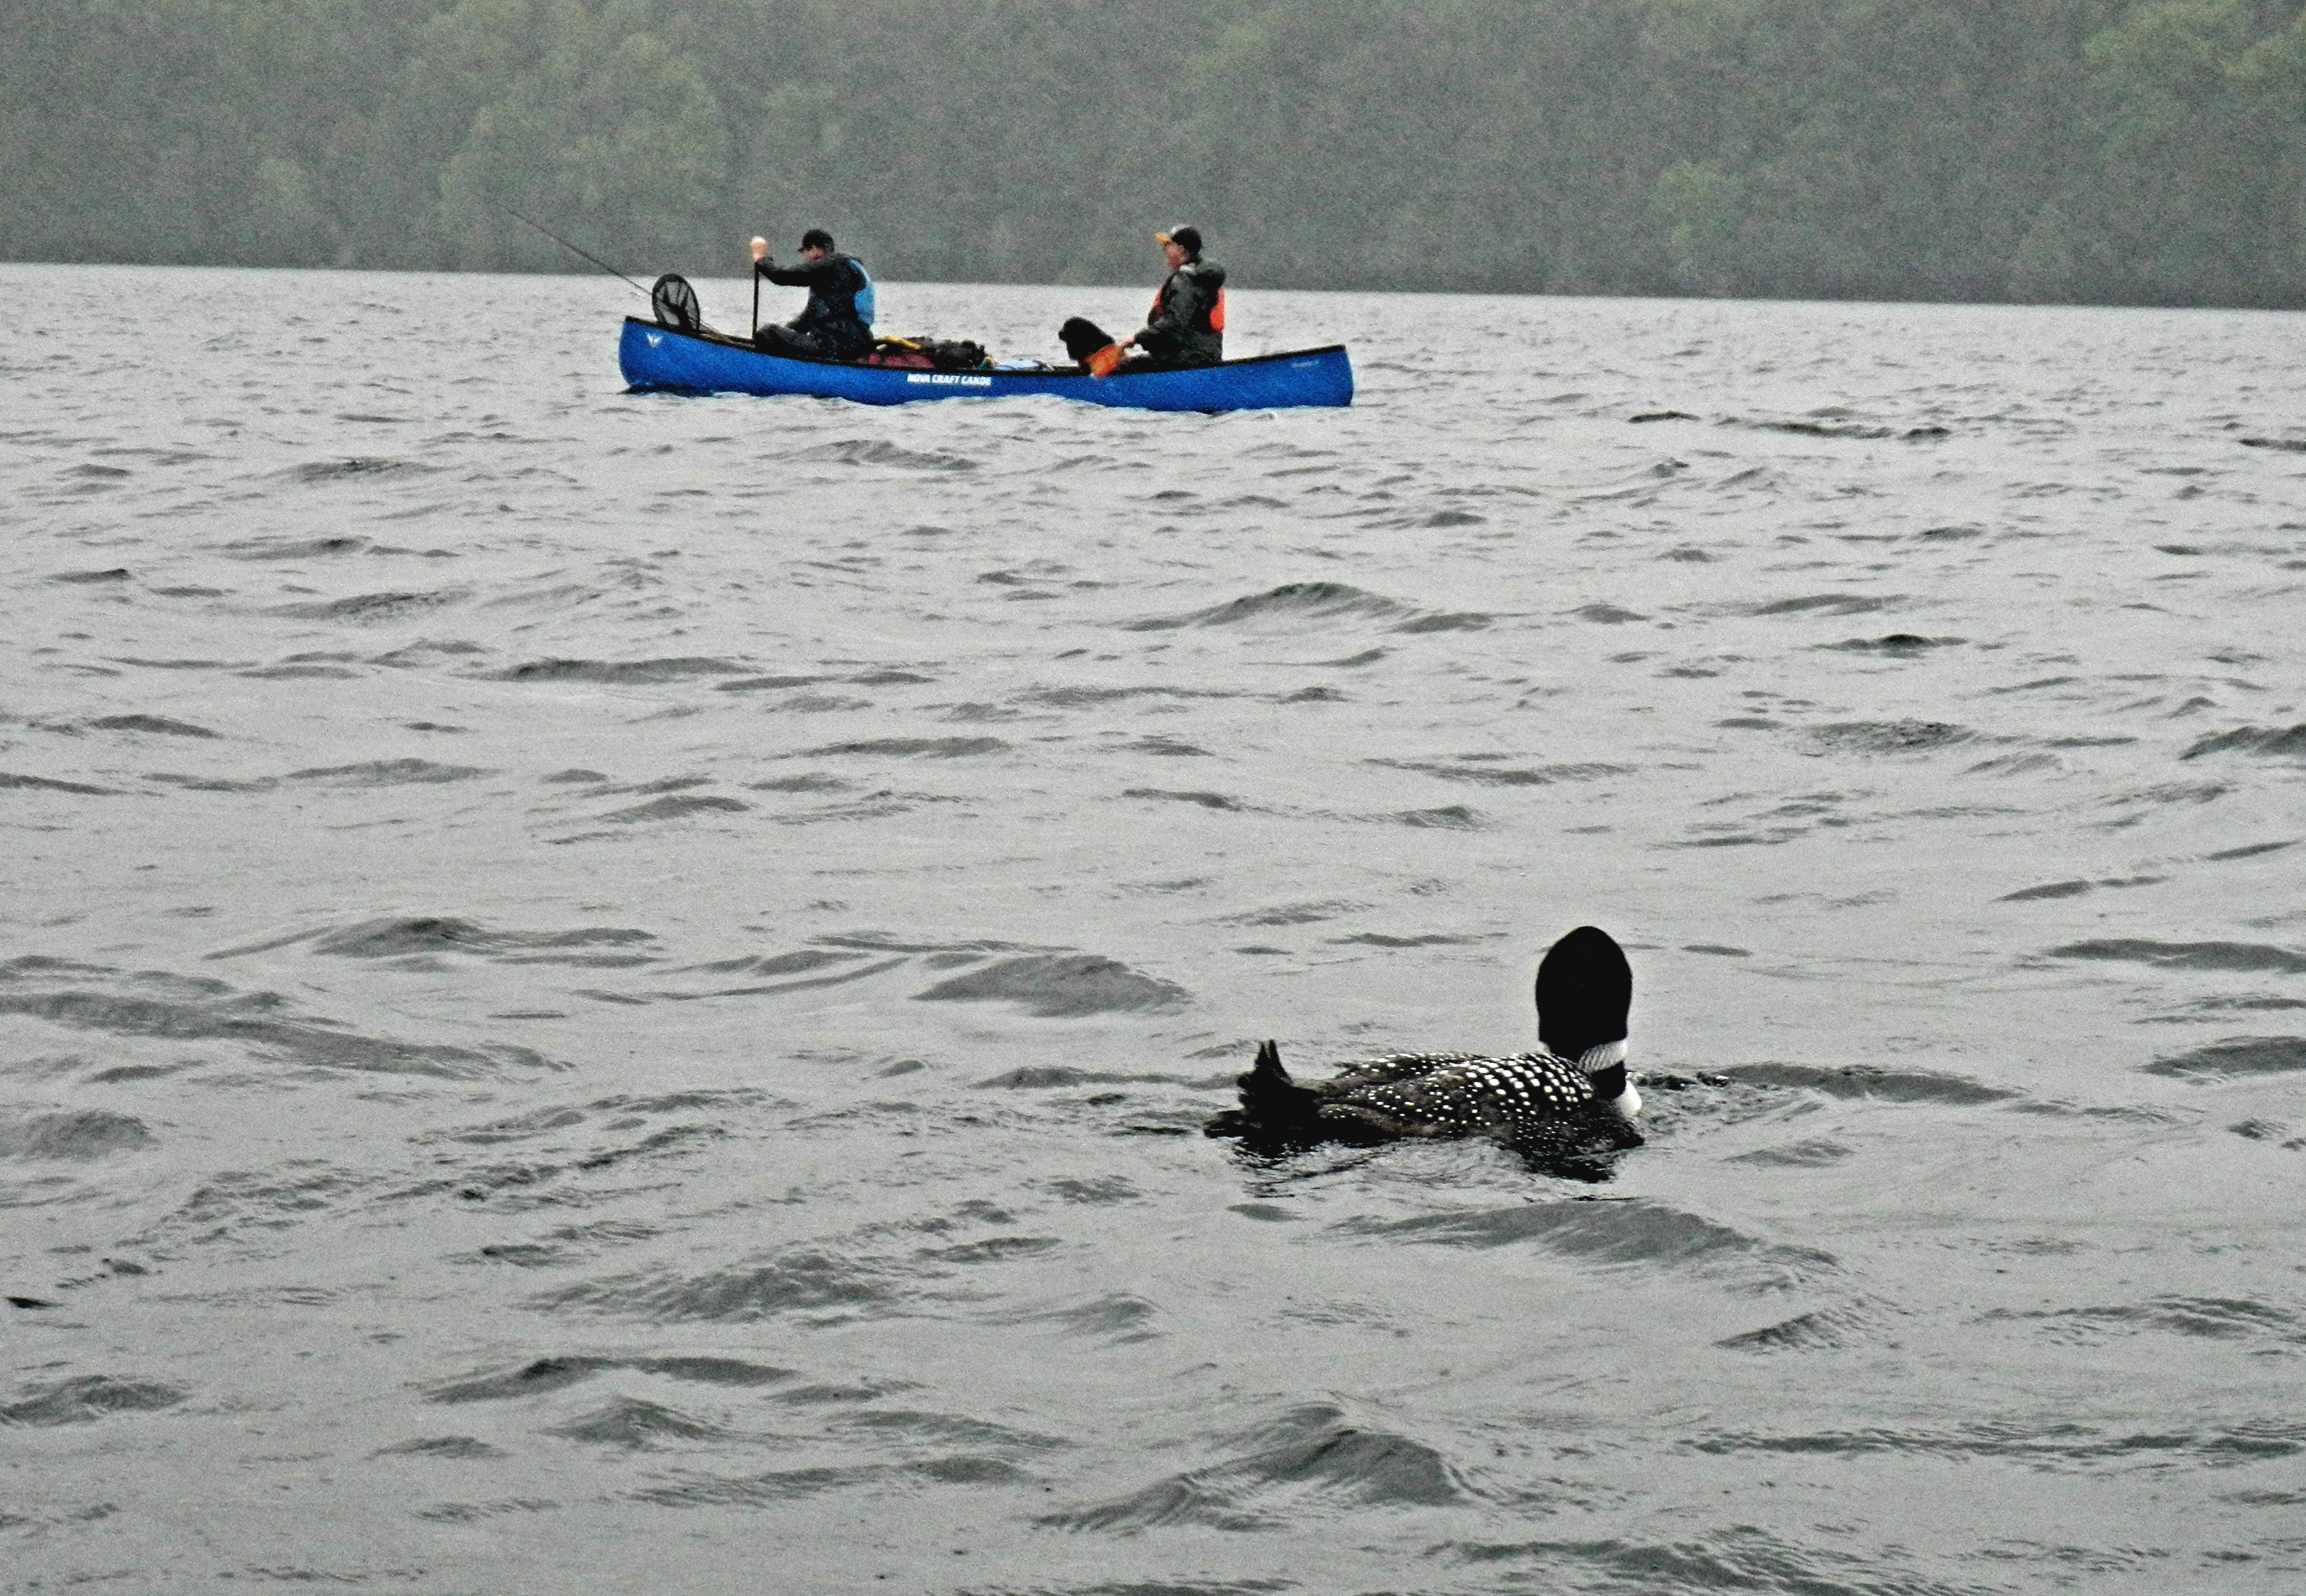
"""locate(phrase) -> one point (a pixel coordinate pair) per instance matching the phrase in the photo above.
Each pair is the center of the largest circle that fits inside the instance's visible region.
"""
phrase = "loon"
(1572, 1090)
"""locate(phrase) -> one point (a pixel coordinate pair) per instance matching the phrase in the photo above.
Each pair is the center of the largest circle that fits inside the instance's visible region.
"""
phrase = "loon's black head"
(1585, 988)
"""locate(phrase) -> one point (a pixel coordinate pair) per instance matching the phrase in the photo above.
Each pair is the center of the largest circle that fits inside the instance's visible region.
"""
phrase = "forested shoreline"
(2091, 150)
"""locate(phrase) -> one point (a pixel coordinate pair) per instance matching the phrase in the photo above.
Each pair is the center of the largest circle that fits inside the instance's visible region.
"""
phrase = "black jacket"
(1183, 324)
(833, 283)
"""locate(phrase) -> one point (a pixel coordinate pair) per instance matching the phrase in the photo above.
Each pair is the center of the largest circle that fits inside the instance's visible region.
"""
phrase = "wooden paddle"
(760, 253)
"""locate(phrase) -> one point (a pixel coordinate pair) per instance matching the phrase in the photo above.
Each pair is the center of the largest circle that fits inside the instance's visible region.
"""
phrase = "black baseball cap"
(1188, 239)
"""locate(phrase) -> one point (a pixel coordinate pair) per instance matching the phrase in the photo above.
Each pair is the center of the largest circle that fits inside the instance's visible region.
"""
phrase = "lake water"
(615, 994)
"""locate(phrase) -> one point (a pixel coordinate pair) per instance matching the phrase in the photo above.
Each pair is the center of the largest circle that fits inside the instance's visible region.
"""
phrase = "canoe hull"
(658, 358)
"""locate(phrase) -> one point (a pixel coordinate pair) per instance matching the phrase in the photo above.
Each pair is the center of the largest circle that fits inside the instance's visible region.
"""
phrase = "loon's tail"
(1273, 1107)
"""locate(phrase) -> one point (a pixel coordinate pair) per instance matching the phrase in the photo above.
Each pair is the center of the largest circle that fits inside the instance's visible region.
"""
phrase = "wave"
(785, 1485)
(293, 547)
(411, 936)
(2272, 742)
(88, 1398)
(427, 652)
(477, 1185)
(2240, 957)
(530, 1380)
(1122, 1315)
(626, 672)
(1436, 939)
(1639, 1231)
(1819, 604)
(2057, 1442)
(1888, 736)
(1062, 986)
(543, 1375)
(771, 683)
(1449, 817)
(2236, 1055)
(157, 725)
(1312, 1451)
(1038, 1077)
(1290, 601)
(1741, 1558)
(146, 665)
(778, 964)
(79, 1134)
(353, 465)
(994, 1249)
(838, 978)
(800, 1279)
(1078, 697)
(2251, 850)
(296, 670)
(50, 784)
(1865, 1082)
(1446, 621)
(1206, 800)
(371, 606)
(2052, 889)
(1821, 1329)
(1896, 644)
(1480, 768)
(460, 1449)
(2208, 1319)
(681, 807)
(635, 1424)
(2075, 889)
(910, 747)
(1815, 1152)
(388, 773)
(876, 451)
(178, 1007)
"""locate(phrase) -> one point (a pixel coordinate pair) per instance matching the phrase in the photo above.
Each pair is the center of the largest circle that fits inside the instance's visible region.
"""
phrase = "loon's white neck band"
(1595, 1058)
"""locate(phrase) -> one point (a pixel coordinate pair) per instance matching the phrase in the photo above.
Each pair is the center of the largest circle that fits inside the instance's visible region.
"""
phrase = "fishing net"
(676, 305)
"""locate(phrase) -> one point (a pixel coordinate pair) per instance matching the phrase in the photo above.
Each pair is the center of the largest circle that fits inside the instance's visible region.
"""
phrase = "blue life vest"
(864, 294)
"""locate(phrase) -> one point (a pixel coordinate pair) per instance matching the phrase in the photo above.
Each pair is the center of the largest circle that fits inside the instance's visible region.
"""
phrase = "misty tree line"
(2040, 149)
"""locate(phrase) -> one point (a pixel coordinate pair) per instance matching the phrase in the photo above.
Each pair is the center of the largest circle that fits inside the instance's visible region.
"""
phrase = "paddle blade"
(1102, 363)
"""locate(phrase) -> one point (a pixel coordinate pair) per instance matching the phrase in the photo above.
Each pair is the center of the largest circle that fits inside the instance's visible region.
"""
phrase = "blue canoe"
(663, 358)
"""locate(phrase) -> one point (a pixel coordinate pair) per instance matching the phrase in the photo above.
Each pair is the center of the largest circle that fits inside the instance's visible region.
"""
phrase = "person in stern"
(1186, 327)
(836, 324)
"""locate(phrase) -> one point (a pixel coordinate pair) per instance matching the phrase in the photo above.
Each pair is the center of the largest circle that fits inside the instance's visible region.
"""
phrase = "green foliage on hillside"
(2087, 150)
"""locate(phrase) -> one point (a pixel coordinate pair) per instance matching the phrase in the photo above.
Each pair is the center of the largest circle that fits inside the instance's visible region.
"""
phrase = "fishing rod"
(565, 244)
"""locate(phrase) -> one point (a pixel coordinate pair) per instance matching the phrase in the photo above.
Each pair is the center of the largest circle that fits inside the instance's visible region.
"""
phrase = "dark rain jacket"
(833, 283)
(1186, 325)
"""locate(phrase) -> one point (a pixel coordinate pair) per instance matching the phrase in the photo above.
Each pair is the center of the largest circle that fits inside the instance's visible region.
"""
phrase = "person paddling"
(836, 322)
(1186, 327)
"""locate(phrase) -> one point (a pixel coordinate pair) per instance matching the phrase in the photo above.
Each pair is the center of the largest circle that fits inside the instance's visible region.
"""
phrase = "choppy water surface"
(615, 993)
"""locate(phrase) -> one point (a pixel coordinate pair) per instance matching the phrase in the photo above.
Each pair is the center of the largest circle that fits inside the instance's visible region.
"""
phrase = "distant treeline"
(1984, 149)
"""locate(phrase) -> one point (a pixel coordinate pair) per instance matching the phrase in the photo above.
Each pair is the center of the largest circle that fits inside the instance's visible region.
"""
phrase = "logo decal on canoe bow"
(655, 339)
(948, 380)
